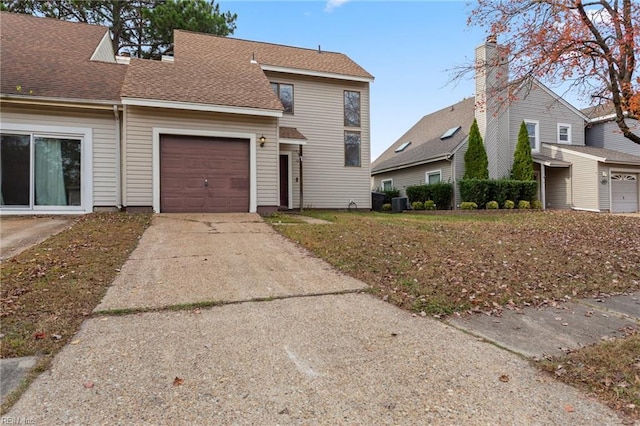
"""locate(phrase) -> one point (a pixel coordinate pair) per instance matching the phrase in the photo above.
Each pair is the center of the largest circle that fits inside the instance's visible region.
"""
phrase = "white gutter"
(67, 102)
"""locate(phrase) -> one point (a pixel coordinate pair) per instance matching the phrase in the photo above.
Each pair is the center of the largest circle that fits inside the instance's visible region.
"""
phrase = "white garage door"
(624, 192)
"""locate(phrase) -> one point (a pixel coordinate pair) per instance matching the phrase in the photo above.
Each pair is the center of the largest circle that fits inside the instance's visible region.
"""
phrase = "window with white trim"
(387, 184)
(564, 133)
(40, 171)
(533, 129)
(352, 149)
(432, 177)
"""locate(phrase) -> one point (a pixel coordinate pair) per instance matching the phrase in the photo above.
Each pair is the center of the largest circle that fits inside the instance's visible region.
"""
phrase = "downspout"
(453, 175)
(543, 186)
(116, 114)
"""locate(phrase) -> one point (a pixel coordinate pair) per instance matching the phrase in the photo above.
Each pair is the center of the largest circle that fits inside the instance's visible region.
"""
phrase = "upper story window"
(564, 133)
(285, 93)
(533, 128)
(352, 149)
(351, 108)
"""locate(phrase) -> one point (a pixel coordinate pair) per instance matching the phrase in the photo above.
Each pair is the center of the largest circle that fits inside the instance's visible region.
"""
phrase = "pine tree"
(475, 159)
(522, 159)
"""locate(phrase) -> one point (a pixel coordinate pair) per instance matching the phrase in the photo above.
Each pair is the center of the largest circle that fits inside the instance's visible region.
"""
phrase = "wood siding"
(104, 140)
(138, 149)
(608, 135)
(319, 116)
(104, 51)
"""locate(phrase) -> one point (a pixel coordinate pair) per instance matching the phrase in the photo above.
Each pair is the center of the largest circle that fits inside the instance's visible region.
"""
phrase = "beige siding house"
(224, 125)
(578, 162)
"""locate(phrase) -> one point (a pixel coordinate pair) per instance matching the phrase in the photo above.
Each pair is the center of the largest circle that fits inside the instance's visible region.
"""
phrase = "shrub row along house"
(224, 125)
(581, 160)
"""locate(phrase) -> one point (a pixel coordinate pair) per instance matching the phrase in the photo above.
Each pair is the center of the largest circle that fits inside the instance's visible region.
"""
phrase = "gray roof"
(424, 136)
(603, 154)
(599, 111)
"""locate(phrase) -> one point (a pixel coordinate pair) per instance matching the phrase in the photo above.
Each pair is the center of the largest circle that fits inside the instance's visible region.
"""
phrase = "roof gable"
(426, 138)
(49, 58)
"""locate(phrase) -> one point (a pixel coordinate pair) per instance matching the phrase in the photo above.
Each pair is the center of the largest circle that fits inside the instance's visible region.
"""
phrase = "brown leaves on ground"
(483, 262)
(50, 288)
(609, 370)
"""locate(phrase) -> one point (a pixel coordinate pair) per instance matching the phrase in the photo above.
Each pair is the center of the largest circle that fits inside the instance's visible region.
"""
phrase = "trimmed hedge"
(389, 194)
(441, 194)
(481, 191)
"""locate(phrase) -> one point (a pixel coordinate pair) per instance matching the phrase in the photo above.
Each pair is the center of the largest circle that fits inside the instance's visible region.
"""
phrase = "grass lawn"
(49, 289)
(487, 262)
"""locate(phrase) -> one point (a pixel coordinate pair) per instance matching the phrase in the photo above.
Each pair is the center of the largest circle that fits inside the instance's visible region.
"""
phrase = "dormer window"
(403, 147)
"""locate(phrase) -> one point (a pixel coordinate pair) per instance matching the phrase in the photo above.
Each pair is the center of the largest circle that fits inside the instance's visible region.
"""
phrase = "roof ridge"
(51, 19)
(258, 42)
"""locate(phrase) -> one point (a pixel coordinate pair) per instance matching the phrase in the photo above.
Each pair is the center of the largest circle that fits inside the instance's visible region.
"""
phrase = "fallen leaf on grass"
(568, 408)
(504, 378)
(39, 335)
(88, 385)
(178, 381)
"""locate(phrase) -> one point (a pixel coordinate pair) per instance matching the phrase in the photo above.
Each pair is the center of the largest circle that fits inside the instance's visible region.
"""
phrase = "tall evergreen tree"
(476, 164)
(522, 159)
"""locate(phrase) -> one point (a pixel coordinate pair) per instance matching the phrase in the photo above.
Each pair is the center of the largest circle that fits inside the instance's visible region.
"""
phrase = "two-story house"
(570, 174)
(225, 125)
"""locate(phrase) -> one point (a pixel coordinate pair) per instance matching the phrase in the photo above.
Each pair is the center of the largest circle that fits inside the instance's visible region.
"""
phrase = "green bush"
(386, 207)
(492, 205)
(481, 191)
(522, 159)
(440, 193)
(475, 159)
(524, 204)
(468, 205)
(536, 204)
(429, 205)
(417, 205)
(509, 204)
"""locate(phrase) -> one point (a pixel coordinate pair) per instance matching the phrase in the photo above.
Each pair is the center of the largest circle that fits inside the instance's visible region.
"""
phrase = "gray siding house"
(602, 176)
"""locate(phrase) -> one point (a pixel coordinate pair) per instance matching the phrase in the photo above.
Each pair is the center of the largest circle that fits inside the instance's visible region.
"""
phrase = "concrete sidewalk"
(314, 355)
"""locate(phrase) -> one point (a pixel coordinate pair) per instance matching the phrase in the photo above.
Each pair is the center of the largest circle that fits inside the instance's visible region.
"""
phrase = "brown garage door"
(203, 175)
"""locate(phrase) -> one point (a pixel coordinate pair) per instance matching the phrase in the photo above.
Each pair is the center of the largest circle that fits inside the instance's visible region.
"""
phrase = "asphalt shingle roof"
(51, 58)
(219, 71)
(425, 137)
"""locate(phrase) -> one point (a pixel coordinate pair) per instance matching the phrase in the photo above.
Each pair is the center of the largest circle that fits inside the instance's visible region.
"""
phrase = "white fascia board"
(406, 166)
(154, 103)
(316, 73)
(67, 102)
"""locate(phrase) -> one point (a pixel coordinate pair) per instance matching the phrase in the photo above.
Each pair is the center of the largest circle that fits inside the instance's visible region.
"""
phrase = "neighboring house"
(225, 125)
(569, 174)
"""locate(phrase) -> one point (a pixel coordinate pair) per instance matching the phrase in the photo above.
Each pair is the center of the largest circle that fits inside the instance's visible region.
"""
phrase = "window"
(352, 149)
(564, 133)
(387, 185)
(534, 138)
(402, 147)
(40, 170)
(285, 93)
(351, 109)
(433, 177)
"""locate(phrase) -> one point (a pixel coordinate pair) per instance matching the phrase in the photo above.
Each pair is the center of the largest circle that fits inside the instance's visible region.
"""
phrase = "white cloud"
(332, 4)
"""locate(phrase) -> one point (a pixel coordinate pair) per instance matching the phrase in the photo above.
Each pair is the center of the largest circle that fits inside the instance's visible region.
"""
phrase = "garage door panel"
(624, 192)
(186, 162)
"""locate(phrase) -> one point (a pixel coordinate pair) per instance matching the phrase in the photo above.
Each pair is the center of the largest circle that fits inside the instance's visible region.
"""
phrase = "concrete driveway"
(18, 233)
(292, 342)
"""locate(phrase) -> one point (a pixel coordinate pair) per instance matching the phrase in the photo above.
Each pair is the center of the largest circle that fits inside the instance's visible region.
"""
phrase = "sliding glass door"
(40, 172)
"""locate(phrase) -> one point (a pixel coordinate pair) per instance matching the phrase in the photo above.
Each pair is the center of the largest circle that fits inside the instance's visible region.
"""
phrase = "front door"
(284, 181)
